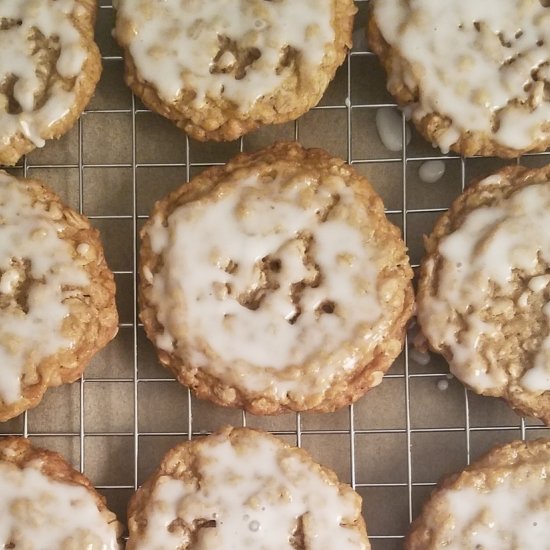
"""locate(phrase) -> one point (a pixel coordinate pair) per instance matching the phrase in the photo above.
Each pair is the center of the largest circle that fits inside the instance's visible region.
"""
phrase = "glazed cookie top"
(484, 65)
(279, 278)
(492, 244)
(37, 275)
(237, 50)
(484, 290)
(500, 501)
(246, 486)
(36, 38)
(39, 511)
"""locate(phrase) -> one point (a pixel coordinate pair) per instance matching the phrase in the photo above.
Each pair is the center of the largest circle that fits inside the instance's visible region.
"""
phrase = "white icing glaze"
(536, 284)
(431, 171)
(494, 179)
(28, 234)
(38, 513)
(469, 75)
(491, 242)
(421, 358)
(17, 60)
(390, 129)
(197, 300)
(255, 495)
(174, 44)
(513, 514)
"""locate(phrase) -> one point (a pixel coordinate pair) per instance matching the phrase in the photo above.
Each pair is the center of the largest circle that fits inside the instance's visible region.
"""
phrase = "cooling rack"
(116, 423)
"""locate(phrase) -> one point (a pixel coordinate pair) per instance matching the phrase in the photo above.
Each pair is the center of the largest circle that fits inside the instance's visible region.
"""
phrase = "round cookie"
(473, 76)
(49, 68)
(57, 305)
(45, 503)
(499, 501)
(275, 282)
(484, 288)
(222, 68)
(247, 486)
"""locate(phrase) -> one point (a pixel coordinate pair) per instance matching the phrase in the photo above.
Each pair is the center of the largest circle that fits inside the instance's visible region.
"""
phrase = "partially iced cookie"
(499, 501)
(222, 68)
(45, 503)
(242, 488)
(57, 295)
(473, 75)
(484, 291)
(49, 68)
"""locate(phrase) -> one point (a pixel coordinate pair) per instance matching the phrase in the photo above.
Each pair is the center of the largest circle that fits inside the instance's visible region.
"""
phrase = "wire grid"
(117, 422)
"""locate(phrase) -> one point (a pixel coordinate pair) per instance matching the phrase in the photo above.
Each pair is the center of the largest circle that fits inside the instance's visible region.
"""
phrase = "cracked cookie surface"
(275, 283)
(484, 288)
(57, 306)
(473, 76)
(244, 488)
(47, 504)
(49, 68)
(222, 68)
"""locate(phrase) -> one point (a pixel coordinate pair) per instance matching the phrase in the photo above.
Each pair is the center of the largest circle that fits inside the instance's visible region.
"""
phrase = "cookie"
(275, 282)
(45, 503)
(222, 68)
(49, 68)
(484, 288)
(500, 501)
(244, 488)
(473, 76)
(57, 305)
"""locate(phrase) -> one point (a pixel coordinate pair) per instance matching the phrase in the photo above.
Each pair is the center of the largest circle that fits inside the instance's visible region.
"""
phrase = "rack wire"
(117, 422)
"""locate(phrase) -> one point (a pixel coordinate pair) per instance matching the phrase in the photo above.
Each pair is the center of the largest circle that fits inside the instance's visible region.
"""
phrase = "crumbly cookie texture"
(244, 485)
(500, 501)
(275, 282)
(45, 503)
(473, 76)
(49, 68)
(57, 305)
(484, 293)
(222, 68)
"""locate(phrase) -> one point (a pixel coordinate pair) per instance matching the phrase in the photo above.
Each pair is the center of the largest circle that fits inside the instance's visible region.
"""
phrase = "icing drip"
(431, 171)
(390, 129)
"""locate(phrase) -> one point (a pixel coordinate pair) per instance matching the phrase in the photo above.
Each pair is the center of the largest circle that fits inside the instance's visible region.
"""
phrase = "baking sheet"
(115, 425)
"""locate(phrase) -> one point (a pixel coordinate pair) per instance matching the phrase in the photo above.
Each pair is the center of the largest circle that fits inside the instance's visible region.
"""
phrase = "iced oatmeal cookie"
(275, 282)
(484, 291)
(500, 501)
(221, 68)
(473, 75)
(57, 305)
(45, 503)
(49, 68)
(243, 488)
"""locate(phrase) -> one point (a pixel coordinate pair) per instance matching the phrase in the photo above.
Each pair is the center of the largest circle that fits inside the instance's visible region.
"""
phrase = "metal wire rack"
(395, 443)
